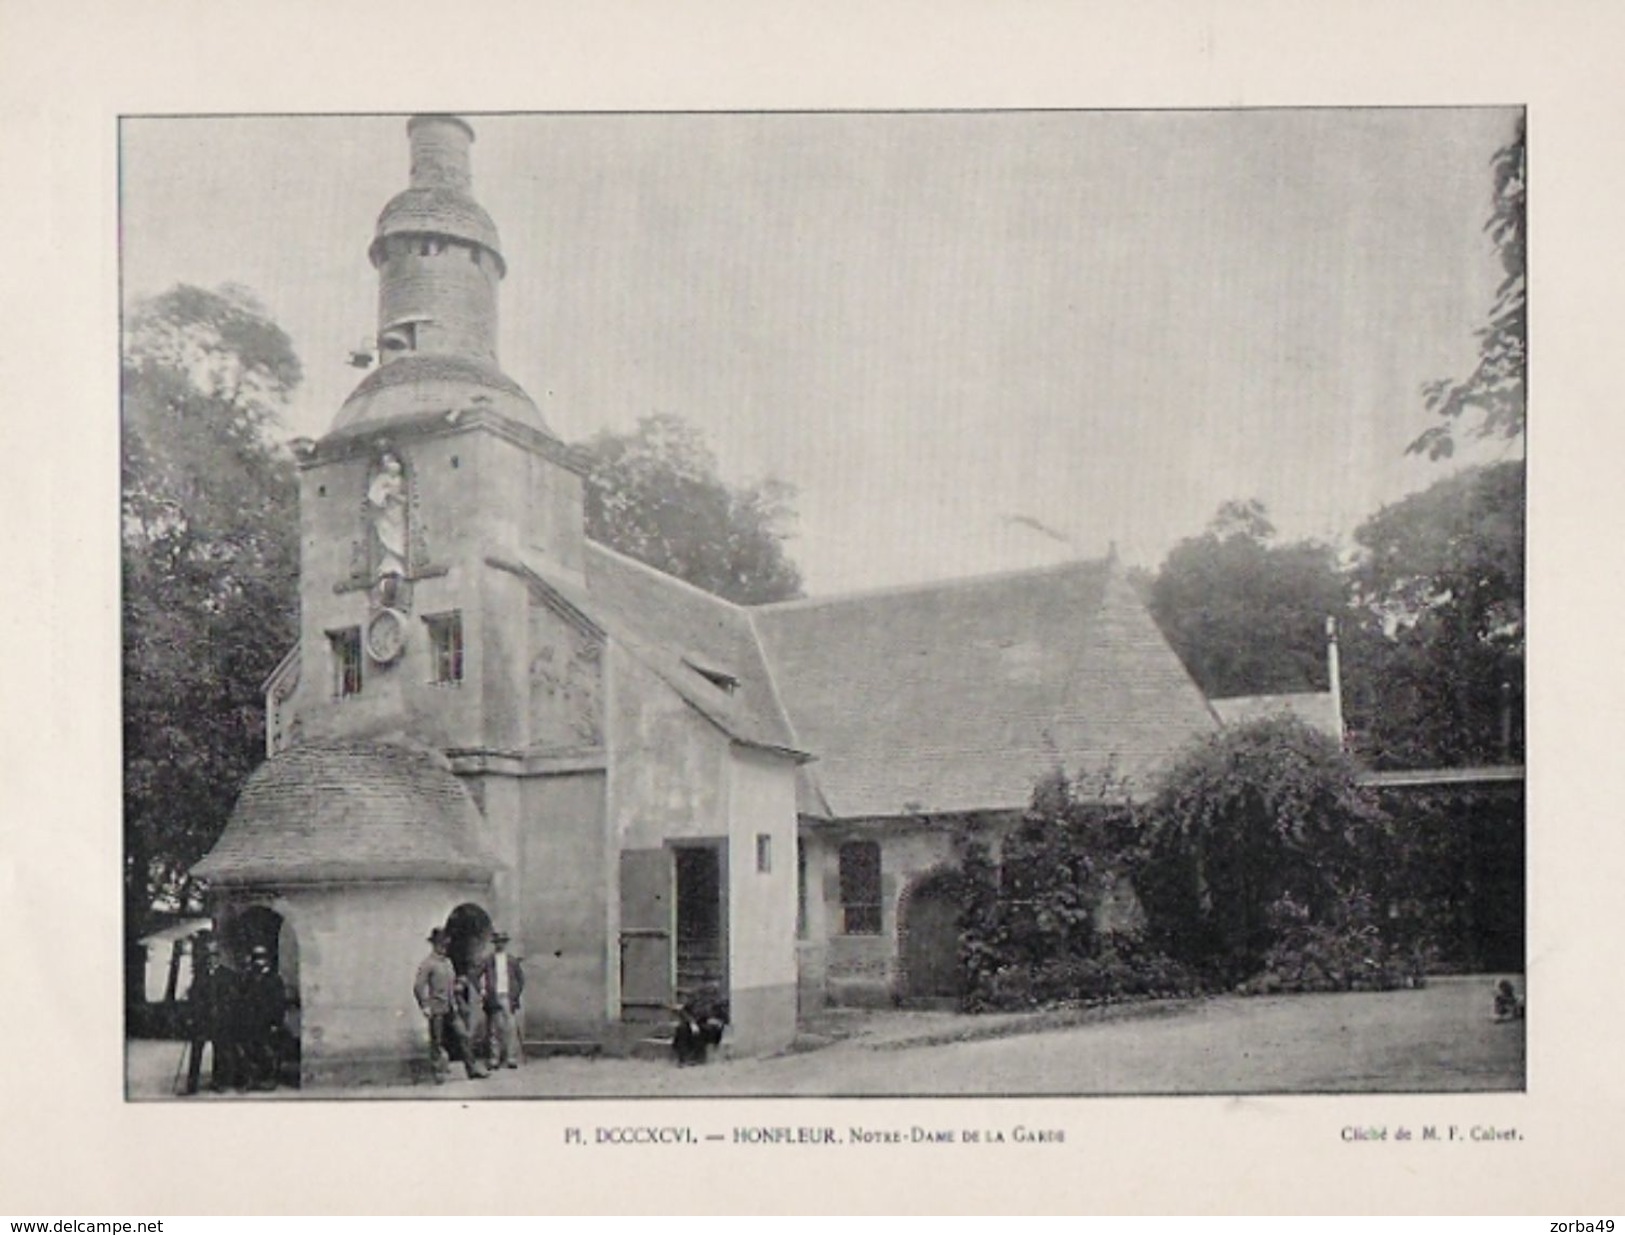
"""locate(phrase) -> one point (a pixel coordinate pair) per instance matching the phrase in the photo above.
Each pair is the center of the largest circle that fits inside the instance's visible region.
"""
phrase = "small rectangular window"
(446, 647)
(764, 853)
(346, 645)
(860, 887)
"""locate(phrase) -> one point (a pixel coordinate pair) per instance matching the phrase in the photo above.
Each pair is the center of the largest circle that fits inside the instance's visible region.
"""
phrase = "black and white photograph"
(823, 604)
(909, 609)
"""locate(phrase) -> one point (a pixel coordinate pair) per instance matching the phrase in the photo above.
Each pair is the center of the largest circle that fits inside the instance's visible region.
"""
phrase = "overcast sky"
(936, 326)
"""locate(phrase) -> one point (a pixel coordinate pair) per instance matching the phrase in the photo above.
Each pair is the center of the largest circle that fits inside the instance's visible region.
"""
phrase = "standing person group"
(474, 1012)
(240, 1015)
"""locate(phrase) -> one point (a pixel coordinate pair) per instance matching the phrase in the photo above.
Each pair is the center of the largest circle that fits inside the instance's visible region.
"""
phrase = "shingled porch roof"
(323, 811)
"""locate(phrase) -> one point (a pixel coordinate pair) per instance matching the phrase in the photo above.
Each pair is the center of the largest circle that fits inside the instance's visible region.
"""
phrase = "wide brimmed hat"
(500, 937)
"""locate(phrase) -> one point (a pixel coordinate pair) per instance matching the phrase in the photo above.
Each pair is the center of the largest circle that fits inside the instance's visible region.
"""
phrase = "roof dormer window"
(720, 678)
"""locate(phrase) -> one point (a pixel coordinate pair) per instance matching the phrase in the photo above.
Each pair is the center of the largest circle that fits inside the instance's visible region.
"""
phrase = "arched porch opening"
(262, 948)
(469, 926)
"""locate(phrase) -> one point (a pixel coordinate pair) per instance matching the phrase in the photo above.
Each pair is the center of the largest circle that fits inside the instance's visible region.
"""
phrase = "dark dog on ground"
(1508, 1007)
(700, 1025)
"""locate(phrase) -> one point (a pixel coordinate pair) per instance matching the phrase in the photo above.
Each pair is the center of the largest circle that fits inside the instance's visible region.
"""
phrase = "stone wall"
(863, 969)
(564, 913)
(358, 949)
(443, 291)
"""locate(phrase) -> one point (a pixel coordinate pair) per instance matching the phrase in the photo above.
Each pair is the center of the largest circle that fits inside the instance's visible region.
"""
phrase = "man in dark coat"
(502, 983)
(211, 1007)
(264, 1004)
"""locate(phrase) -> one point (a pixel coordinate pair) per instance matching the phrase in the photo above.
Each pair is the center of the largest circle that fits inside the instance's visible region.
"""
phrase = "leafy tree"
(1437, 660)
(654, 494)
(1249, 816)
(1245, 615)
(209, 534)
(1495, 387)
(1454, 884)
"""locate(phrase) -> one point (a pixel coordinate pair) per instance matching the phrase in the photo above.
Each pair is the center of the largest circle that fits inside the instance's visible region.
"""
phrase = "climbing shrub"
(1032, 925)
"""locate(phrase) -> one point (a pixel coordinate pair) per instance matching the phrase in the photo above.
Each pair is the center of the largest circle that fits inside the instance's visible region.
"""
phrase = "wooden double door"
(674, 927)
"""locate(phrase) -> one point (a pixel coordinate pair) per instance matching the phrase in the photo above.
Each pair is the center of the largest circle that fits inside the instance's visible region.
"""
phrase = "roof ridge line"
(929, 585)
(784, 712)
(1067, 700)
(1281, 694)
(664, 576)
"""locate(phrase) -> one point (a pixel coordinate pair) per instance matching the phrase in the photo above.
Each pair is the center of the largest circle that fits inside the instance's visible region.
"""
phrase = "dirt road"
(1440, 1039)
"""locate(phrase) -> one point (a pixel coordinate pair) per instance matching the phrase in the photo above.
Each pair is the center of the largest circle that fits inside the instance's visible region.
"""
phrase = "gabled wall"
(669, 776)
(675, 777)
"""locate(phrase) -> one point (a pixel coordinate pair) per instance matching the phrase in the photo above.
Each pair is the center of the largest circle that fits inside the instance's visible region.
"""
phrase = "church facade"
(491, 721)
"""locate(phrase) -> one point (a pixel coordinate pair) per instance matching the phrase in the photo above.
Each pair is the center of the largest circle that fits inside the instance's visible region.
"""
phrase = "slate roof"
(959, 696)
(695, 637)
(1317, 709)
(937, 698)
(350, 811)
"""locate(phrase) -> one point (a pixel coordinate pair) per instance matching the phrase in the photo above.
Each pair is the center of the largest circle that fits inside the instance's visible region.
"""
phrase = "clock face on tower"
(386, 636)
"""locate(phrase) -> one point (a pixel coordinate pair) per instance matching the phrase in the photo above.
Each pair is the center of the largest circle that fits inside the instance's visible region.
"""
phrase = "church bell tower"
(438, 477)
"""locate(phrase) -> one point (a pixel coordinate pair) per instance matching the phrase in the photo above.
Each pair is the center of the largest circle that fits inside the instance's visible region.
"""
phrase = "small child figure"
(1508, 1007)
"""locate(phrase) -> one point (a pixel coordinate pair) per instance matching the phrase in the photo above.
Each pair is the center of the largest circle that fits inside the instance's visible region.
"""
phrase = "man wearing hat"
(210, 1005)
(503, 982)
(434, 987)
(264, 1004)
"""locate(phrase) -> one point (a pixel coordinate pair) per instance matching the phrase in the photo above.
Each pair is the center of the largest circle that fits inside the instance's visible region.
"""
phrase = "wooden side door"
(931, 944)
(648, 922)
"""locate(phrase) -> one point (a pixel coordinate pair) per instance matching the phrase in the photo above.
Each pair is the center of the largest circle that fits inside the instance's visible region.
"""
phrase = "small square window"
(446, 647)
(764, 853)
(346, 645)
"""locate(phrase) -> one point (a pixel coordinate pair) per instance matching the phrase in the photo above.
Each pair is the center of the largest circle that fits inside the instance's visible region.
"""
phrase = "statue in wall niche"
(387, 512)
(390, 555)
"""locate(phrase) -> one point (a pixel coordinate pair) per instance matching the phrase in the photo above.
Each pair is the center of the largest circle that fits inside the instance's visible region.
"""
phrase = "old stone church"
(490, 719)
